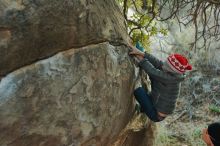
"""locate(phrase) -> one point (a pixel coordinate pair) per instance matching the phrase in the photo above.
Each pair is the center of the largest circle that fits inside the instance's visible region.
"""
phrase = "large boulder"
(67, 79)
(32, 30)
(75, 97)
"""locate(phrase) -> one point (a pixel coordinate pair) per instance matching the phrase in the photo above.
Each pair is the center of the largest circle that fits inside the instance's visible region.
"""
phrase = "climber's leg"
(147, 105)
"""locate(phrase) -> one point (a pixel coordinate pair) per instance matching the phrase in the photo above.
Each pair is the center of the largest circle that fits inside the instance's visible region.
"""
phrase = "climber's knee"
(156, 117)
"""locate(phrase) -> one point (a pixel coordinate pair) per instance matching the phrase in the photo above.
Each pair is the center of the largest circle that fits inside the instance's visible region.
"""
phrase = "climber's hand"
(134, 51)
(140, 57)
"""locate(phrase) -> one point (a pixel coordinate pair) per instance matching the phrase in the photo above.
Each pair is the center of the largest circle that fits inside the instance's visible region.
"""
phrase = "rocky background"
(66, 77)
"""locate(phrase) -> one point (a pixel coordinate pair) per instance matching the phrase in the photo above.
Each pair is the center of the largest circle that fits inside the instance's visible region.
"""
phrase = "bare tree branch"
(204, 14)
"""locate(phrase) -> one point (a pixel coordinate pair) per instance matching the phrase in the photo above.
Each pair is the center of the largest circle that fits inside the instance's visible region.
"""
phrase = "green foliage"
(141, 25)
(197, 133)
(163, 31)
(214, 108)
(139, 35)
(139, 3)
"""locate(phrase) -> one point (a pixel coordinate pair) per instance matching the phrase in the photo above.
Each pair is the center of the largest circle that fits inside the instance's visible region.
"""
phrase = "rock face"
(32, 30)
(75, 96)
(67, 77)
(138, 132)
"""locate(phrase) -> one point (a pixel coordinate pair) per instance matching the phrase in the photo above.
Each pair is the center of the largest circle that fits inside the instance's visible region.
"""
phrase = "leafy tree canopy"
(203, 14)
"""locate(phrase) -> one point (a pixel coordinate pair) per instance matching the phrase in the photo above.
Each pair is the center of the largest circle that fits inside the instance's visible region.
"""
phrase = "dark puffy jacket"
(165, 85)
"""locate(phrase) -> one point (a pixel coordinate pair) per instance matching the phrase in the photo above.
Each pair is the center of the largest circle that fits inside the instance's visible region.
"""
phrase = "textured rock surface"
(78, 96)
(32, 30)
(67, 77)
(138, 132)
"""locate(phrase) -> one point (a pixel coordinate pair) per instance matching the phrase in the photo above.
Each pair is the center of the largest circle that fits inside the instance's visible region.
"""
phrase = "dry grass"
(179, 135)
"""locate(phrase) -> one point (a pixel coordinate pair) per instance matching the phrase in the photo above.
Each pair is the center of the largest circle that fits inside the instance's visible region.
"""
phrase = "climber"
(211, 135)
(165, 83)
